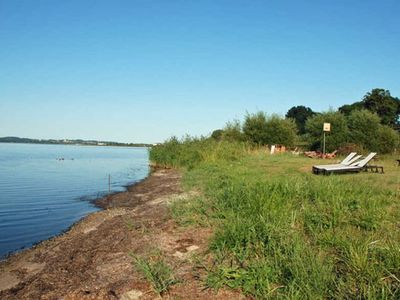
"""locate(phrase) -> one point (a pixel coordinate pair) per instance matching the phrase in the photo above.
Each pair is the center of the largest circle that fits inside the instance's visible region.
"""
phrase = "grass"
(156, 271)
(284, 233)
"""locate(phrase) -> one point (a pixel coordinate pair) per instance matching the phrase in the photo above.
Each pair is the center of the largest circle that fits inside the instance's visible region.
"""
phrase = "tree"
(386, 106)
(255, 128)
(363, 129)
(263, 130)
(347, 109)
(378, 101)
(300, 114)
(335, 138)
(280, 131)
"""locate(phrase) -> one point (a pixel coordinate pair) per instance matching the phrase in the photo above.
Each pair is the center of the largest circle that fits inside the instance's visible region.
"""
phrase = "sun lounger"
(351, 158)
(354, 167)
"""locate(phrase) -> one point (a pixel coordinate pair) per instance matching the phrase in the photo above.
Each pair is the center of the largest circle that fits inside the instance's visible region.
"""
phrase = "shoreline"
(110, 206)
(100, 203)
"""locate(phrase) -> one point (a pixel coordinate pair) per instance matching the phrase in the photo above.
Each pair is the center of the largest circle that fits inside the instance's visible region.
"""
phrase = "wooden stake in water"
(109, 183)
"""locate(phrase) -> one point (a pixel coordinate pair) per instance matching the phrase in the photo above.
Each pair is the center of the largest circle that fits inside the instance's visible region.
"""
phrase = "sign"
(327, 126)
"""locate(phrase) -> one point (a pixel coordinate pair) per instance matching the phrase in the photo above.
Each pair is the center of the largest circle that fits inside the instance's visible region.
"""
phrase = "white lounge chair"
(351, 158)
(354, 167)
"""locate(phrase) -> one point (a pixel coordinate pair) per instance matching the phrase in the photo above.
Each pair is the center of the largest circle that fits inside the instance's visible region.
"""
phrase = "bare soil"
(92, 260)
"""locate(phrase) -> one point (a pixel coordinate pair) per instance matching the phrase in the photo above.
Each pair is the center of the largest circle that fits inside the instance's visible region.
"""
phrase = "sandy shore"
(92, 261)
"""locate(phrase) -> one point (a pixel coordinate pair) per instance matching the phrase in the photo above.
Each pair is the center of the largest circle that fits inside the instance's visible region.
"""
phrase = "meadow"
(281, 232)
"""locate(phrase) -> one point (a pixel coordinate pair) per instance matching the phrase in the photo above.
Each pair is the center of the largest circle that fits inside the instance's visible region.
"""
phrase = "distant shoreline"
(78, 142)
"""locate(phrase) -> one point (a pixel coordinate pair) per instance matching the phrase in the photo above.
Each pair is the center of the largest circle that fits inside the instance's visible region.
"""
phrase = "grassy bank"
(281, 232)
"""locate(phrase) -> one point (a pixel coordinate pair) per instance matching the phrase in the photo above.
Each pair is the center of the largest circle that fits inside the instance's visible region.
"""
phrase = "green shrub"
(281, 131)
(233, 132)
(335, 138)
(388, 139)
(255, 128)
(262, 130)
(363, 129)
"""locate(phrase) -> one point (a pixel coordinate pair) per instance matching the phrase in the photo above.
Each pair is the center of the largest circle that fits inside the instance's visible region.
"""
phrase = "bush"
(217, 134)
(233, 132)
(388, 139)
(281, 131)
(262, 130)
(363, 129)
(347, 148)
(335, 138)
(255, 128)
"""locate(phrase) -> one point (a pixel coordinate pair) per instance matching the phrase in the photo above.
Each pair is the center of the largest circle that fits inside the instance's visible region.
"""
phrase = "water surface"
(44, 189)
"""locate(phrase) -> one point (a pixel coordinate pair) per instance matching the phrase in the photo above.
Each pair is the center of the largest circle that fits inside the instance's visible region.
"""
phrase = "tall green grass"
(281, 232)
(189, 152)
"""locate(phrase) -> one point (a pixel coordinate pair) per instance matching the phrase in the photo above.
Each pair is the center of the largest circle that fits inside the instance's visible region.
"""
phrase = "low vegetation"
(281, 232)
(156, 271)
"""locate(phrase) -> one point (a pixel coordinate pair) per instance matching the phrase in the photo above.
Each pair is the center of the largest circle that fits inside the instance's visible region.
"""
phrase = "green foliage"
(363, 129)
(156, 271)
(189, 152)
(388, 139)
(255, 128)
(382, 103)
(217, 134)
(233, 132)
(262, 130)
(280, 131)
(386, 106)
(335, 138)
(347, 109)
(300, 114)
(284, 234)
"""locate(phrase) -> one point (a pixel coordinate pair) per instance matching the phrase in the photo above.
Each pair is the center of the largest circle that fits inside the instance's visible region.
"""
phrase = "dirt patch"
(92, 260)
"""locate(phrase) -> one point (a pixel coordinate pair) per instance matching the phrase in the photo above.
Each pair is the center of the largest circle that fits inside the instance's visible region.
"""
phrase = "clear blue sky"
(140, 71)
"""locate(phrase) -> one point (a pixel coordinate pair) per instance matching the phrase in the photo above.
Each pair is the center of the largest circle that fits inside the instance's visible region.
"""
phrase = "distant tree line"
(13, 139)
(372, 124)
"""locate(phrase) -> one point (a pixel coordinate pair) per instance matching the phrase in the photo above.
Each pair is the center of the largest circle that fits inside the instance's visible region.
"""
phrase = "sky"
(144, 70)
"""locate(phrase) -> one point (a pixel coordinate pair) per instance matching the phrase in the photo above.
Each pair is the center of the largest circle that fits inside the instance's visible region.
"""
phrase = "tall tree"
(300, 114)
(347, 109)
(387, 107)
(378, 101)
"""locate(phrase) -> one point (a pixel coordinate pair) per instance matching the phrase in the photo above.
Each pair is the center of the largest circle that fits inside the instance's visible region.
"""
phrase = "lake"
(44, 189)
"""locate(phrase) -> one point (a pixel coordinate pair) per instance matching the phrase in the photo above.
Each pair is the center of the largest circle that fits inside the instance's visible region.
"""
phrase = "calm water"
(40, 196)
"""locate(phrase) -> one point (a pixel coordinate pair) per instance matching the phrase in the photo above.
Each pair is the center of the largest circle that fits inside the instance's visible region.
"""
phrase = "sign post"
(326, 128)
